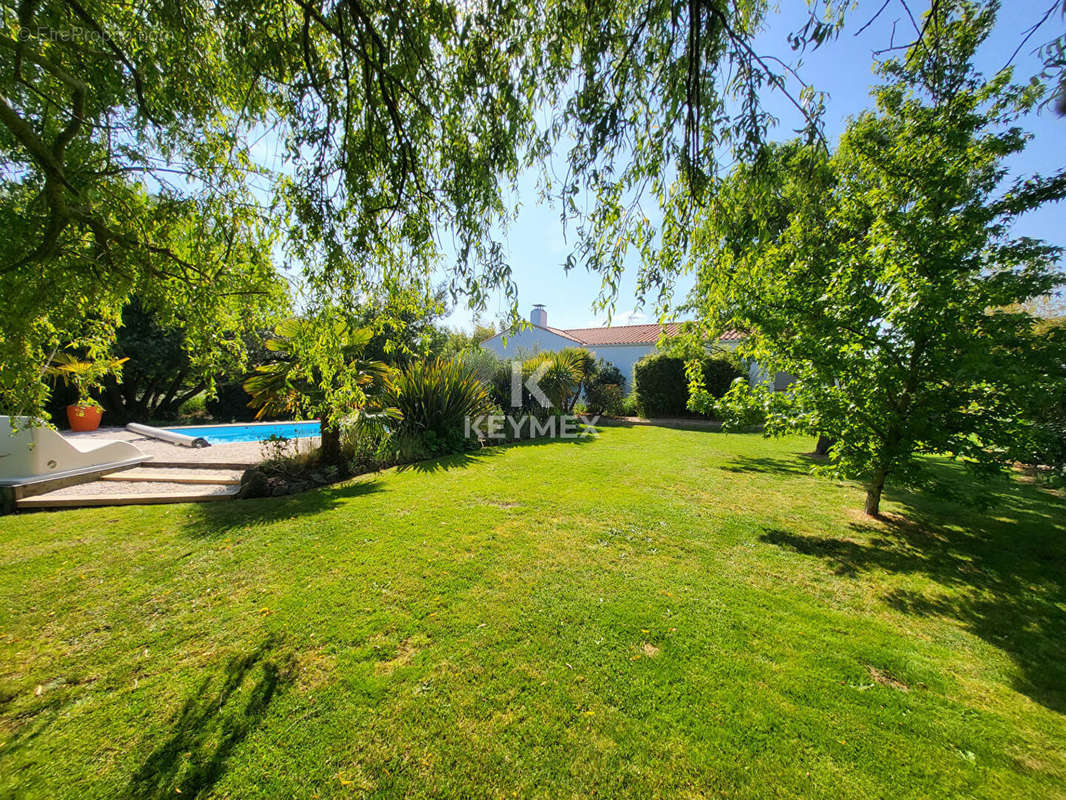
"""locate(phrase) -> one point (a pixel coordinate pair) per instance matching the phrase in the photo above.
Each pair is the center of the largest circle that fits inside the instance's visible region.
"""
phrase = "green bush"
(661, 383)
(367, 447)
(195, 406)
(660, 386)
(561, 382)
(435, 399)
(605, 389)
(719, 374)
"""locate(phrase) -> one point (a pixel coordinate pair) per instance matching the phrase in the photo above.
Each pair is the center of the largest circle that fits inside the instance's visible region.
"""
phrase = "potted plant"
(83, 376)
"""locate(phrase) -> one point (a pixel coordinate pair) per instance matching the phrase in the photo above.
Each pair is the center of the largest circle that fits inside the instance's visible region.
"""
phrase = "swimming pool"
(255, 432)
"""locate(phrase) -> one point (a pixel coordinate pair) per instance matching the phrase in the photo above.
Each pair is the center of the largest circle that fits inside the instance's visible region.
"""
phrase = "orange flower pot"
(84, 418)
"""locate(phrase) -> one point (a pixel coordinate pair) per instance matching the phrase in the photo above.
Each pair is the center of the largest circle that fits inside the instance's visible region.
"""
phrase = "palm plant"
(320, 371)
(561, 375)
(83, 375)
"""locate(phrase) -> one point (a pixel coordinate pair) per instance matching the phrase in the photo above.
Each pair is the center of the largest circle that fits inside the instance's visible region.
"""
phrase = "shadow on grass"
(450, 462)
(545, 441)
(1000, 573)
(462, 460)
(212, 722)
(799, 465)
(217, 519)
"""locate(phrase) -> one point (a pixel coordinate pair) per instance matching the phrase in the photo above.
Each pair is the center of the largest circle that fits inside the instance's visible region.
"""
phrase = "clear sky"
(844, 69)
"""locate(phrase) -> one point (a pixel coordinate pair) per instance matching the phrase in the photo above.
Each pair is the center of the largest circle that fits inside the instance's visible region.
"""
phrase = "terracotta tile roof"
(558, 332)
(633, 334)
(626, 334)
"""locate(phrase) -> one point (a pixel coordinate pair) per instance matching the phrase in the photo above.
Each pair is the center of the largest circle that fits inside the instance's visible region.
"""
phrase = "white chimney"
(539, 316)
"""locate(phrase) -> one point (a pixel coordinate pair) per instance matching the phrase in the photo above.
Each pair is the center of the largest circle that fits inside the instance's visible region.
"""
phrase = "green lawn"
(657, 612)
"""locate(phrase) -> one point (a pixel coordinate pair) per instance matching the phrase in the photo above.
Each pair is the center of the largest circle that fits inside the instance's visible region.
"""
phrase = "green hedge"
(662, 389)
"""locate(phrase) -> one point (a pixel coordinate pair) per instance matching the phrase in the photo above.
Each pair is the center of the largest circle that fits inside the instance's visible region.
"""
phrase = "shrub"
(562, 376)
(195, 406)
(605, 389)
(435, 399)
(562, 380)
(719, 374)
(660, 385)
(662, 388)
(482, 363)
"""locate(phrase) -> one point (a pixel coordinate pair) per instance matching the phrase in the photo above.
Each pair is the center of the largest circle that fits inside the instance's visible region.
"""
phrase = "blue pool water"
(258, 432)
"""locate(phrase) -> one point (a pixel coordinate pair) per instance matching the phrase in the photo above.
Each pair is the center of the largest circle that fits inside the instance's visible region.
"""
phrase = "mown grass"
(657, 612)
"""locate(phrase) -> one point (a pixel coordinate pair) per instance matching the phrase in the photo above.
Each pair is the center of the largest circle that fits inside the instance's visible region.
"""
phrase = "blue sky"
(844, 69)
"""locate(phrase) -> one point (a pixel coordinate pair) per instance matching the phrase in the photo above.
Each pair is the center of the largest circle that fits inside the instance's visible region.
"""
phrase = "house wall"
(527, 341)
(623, 356)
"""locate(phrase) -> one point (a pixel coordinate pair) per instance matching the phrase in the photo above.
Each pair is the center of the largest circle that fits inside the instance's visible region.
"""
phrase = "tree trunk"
(824, 443)
(330, 451)
(873, 493)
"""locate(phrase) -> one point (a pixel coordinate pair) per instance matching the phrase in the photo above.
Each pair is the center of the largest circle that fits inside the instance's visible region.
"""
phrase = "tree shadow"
(546, 441)
(1000, 573)
(449, 462)
(798, 465)
(209, 520)
(33, 715)
(466, 459)
(212, 722)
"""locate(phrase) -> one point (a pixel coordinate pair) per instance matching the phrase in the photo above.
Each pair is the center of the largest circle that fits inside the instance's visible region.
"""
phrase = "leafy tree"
(404, 322)
(459, 341)
(131, 141)
(128, 145)
(159, 374)
(84, 376)
(128, 141)
(883, 276)
(320, 372)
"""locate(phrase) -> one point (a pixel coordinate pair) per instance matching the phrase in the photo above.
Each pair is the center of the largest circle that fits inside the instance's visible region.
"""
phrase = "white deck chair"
(34, 454)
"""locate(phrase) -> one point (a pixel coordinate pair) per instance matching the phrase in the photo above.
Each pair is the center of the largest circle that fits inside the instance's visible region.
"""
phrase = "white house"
(621, 345)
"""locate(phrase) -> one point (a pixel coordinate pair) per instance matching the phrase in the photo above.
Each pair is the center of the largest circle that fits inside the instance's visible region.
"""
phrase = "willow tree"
(136, 141)
(133, 135)
(884, 276)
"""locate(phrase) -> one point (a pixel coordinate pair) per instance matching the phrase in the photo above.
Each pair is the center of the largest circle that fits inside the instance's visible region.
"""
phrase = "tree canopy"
(883, 276)
(133, 136)
(129, 137)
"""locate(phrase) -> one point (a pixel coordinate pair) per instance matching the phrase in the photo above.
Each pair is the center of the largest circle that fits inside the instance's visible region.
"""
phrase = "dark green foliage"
(719, 374)
(662, 387)
(605, 389)
(159, 375)
(230, 404)
(1044, 448)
